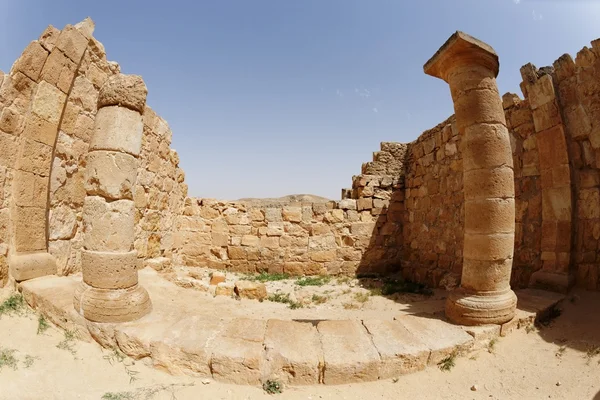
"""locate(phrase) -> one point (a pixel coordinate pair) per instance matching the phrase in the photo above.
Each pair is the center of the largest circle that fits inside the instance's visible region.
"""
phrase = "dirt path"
(550, 363)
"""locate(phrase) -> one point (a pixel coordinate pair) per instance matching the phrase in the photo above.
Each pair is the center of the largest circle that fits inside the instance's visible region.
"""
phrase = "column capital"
(459, 51)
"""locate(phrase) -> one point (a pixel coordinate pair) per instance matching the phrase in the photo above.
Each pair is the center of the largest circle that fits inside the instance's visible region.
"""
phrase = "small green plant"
(561, 351)
(313, 281)
(342, 280)
(119, 396)
(279, 298)
(592, 352)
(491, 345)
(29, 360)
(447, 363)
(43, 324)
(317, 299)
(145, 393)
(15, 304)
(530, 328)
(285, 299)
(268, 277)
(8, 359)
(117, 356)
(68, 342)
(351, 306)
(272, 387)
(362, 297)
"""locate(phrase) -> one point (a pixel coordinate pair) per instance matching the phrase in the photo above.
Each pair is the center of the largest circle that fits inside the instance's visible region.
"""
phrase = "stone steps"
(249, 351)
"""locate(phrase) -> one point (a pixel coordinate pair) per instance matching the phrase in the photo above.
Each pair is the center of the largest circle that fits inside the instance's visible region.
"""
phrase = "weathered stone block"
(32, 60)
(110, 125)
(110, 174)
(124, 90)
(72, 42)
(108, 226)
(31, 234)
(48, 102)
(108, 270)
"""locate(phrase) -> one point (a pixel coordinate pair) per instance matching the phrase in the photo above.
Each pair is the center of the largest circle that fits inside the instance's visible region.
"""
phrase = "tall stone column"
(470, 67)
(110, 291)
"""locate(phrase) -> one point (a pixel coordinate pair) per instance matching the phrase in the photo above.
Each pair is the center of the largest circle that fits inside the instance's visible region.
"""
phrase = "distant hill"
(300, 198)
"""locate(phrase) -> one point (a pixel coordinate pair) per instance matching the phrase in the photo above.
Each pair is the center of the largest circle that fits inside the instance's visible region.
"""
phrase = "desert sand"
(560, 361)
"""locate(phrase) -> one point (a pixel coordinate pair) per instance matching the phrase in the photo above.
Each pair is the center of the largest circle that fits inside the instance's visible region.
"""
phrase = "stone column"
(110, 291)
(470, 67)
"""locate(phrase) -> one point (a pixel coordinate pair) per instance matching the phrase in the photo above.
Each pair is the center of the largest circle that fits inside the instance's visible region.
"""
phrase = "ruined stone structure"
(109, 291)
(470, 67)
(507, 193)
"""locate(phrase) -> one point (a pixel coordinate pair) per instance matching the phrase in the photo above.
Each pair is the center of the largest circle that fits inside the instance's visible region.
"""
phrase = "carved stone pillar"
(470, 67)
(110, 291)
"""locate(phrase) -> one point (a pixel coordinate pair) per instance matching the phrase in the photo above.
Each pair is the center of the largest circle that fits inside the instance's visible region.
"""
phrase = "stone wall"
(577, 86)
(293, 238)
(47, 111)
(434, 216)
(159, 193)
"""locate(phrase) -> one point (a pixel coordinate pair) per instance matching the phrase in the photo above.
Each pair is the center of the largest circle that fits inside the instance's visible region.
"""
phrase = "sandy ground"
(549, 363)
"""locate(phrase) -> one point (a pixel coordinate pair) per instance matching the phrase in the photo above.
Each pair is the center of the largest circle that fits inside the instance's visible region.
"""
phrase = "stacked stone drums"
(110, 291)
(470, 67)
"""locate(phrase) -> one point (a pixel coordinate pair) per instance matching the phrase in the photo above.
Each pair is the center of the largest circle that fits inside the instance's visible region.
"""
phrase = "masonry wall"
(577, 85)
(160, 190)
(47, 111)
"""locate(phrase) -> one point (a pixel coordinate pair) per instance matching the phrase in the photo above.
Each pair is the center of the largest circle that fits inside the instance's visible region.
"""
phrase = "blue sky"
(274, 97)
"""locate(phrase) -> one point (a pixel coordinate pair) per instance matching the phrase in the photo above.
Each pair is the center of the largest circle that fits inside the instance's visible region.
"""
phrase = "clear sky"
(274, 97)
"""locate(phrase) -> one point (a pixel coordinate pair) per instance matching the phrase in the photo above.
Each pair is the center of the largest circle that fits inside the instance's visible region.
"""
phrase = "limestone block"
(552, 147)
(49, 37)
(293, 352)
(40, 130)
(30, 190)
(488, 247)
(236, 360)
(110, 174)
(478, 106)
(106, 270)
(108, 226)
(489, 183)
(541, 92)
(485, 275)
(556, 204)
(31, 232)
(250, 241)
(62, 223)
(124, 90)
(72, 42)
(251, 290)
(118, 128)
(486, 146)
(35, 157)
(59, 70)
(84, 93)
(348, 352)
(490, 215)
(401, 352)
(292, 214)
(10, 120)
(273, 214)
(32, 60)
(33, 265)
(363, 228)
(48, 102)
(216, 278)
(224, 289)
(347, 204)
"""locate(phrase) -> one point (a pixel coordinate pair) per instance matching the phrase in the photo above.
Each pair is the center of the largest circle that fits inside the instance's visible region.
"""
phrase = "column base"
(467, 308)
(111, 305)
(25, 266)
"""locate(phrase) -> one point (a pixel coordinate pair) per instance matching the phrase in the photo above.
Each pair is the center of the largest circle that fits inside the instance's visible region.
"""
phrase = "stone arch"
(50, 65)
